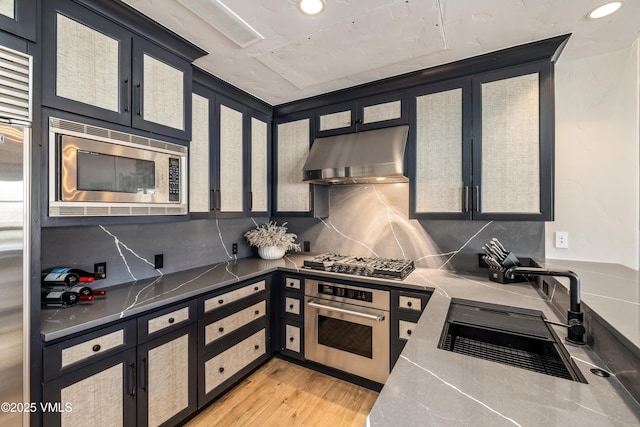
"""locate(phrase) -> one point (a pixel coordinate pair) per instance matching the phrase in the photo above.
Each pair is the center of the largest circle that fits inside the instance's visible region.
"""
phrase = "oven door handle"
(376, 317)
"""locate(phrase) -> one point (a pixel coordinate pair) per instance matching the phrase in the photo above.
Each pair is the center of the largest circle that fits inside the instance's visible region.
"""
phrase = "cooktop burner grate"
(361, 266)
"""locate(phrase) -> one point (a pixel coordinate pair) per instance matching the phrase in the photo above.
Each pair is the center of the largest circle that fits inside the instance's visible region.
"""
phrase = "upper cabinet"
(18, 17)
(230, 157)
(363, 114)
(103, 70)
(440, 150)
(293, 197)
(483, 146)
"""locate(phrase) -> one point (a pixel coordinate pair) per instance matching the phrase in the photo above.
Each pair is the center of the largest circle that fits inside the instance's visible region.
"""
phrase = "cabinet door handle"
(465, 199)
(216, 200)
(291, 339)
(127, 95)
(310, 201)
(132, 379)
(144, 373)
(250, 200)
(139, 98)
(291, 306)
(476, 198)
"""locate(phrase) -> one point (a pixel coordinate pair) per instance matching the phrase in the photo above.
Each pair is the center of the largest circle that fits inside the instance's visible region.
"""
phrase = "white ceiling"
(358, 41)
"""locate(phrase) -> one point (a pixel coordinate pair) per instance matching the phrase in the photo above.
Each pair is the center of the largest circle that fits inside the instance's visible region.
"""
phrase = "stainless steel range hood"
(374, 156)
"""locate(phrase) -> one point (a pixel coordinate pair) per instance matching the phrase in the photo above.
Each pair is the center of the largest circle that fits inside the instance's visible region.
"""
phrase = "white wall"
(597, 158)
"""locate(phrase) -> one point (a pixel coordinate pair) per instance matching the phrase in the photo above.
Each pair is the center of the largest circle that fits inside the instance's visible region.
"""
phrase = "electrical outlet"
(100, 270)
(158, 261)
(306, 246)
(234, 249)
(562, 239)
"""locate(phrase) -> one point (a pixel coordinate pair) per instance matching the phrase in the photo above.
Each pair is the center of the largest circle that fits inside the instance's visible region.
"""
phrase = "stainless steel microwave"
(95, 171)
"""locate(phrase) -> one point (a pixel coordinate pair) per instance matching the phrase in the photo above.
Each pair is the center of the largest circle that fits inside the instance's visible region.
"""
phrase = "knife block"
(497, 274)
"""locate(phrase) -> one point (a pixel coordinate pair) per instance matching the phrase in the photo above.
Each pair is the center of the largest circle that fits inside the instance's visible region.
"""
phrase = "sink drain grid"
(541, 363)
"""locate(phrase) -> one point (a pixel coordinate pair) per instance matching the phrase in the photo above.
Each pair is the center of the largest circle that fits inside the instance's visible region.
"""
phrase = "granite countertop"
(136, 297)
(611, 290)
(428, 386)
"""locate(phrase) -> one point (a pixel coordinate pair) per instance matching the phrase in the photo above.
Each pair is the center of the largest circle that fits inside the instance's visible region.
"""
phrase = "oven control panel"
(343, 292)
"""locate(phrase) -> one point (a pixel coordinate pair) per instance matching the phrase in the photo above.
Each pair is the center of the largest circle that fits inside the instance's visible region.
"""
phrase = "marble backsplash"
(365, 220)
(129, 249)
(372, 220)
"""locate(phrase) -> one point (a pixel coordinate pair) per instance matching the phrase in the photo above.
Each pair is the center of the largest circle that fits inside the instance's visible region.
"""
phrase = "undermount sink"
(510, 335)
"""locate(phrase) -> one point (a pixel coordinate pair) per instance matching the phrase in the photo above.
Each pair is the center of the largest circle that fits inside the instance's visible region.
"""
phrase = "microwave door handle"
(376, 317)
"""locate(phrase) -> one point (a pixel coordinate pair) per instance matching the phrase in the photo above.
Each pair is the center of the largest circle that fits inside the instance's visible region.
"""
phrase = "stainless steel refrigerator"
(14, 272)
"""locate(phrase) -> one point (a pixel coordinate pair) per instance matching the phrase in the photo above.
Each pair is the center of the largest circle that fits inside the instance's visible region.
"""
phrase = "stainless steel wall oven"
(347, 328)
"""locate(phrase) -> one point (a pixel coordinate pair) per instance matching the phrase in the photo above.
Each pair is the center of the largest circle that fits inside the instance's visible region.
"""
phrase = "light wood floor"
(284, 394)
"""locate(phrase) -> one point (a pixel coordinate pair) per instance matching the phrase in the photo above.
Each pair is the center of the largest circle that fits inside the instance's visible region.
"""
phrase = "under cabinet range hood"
(374, 156)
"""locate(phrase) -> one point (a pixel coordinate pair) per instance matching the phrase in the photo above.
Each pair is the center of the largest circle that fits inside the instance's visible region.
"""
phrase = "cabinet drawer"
(226, 364)
(166, 320)
(292, 305)
(410, 303)
(292, 338)
(86, 349)
(405, 329)
(220, 328)
(222, 300)
(292, 283)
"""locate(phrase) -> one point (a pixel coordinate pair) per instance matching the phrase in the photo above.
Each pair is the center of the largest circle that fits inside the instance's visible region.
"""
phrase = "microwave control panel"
(174, 179)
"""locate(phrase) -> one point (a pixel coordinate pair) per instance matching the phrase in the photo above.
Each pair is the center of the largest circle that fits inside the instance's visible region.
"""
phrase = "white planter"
(271, 252)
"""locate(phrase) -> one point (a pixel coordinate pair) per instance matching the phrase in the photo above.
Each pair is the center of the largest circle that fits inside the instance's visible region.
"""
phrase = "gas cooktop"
(361, 266)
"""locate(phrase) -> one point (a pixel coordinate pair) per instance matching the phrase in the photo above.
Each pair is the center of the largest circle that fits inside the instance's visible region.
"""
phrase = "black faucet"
(575, 317)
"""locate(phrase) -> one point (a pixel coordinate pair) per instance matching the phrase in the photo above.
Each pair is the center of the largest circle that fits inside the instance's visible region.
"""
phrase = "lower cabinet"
(98, 381)
(219, 371)
(102, 394)
(233, 336)
(167, 378)
(291, 313)
(406, 308)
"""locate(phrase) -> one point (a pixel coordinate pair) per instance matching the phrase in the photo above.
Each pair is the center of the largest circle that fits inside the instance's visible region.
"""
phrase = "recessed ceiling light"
(311, 7)
(604, 10)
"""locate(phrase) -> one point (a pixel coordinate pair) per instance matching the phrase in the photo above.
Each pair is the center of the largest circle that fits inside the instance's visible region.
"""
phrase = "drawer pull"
(220, 301)
(256, 312)
(171, 320)
(291, 306)
(409, 304)
(408, 331)
(256, 346)
(256, 288)
(220, 329)
(221, 370)
(291, 339)
(96, 347)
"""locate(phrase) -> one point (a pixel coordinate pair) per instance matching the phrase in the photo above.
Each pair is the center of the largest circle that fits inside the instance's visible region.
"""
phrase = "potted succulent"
(272, 240)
